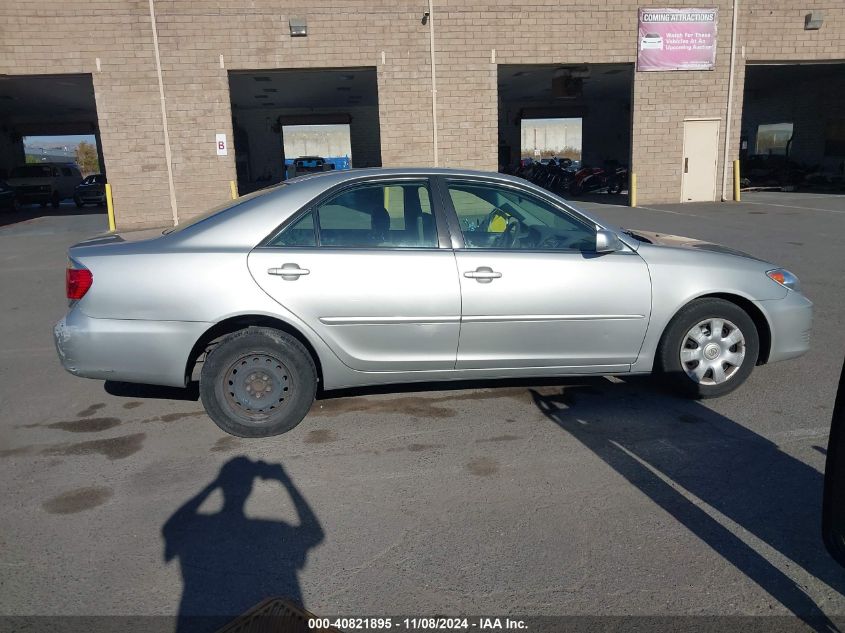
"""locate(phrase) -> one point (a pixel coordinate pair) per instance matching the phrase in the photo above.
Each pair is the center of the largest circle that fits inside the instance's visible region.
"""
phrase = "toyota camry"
(347, 279)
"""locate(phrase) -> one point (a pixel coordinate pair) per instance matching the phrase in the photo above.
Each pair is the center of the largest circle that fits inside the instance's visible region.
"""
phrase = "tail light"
(77, 282)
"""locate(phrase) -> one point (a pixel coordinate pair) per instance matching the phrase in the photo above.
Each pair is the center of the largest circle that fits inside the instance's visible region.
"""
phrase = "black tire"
(55, 200)
(79, 203)
(668, 361)
(273, 360)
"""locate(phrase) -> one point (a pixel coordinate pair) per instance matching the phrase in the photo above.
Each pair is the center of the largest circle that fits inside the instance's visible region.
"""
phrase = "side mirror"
(607, 242)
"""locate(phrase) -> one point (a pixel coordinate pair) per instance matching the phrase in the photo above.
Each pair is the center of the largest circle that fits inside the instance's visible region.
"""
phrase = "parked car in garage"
(353, 278)
(8, 197)
(92, 190)
(45, 182)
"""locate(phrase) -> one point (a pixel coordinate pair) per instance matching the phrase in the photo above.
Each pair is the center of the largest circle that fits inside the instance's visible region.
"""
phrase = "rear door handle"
(482, 274)
(686, 165)
(289, 272)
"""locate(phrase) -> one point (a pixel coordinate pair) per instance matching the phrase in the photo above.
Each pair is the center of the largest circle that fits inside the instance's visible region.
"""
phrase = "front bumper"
(91, 196)
(151, 352)
(791, 321)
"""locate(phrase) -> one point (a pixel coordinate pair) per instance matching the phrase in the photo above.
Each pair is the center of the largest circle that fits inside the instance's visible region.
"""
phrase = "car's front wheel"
(709, 348)
(258, 382)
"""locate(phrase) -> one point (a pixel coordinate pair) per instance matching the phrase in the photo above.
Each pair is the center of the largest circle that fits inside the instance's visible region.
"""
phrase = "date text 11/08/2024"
(421, 624)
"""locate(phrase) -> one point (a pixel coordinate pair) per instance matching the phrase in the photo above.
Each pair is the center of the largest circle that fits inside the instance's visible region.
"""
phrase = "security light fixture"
(424, 20)
(298, 27)
(813, 21)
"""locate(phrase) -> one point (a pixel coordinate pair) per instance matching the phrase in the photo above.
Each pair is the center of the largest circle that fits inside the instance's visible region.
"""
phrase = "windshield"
(32, 171)
(229, 204)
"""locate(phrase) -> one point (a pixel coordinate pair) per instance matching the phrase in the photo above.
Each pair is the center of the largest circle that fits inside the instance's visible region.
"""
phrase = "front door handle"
(482, 274)
(289, 272)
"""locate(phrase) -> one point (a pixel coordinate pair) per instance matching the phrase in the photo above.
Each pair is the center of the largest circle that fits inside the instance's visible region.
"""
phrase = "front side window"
(497, 217)
(382, 215)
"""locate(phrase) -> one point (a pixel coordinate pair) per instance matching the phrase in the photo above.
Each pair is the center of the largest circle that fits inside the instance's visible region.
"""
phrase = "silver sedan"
(346, 279)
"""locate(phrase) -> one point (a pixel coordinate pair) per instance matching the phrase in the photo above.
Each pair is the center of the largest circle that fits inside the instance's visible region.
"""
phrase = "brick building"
(157, 80)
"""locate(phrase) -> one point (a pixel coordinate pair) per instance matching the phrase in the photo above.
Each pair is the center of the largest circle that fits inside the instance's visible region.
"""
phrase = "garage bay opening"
(793, 127)
(49, 143)
(290, 122)
(567, 127)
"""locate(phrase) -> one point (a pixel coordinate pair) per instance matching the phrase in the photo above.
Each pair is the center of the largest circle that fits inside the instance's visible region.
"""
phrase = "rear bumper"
(151, 352)
(791, 322)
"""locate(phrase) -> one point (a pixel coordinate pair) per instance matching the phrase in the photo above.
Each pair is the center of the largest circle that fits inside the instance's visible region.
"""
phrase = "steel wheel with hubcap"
(258, 382)
(709, 348)
(713, 351)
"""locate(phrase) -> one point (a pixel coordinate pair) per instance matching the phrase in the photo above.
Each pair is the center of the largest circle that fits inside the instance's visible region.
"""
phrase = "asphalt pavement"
(577, 497)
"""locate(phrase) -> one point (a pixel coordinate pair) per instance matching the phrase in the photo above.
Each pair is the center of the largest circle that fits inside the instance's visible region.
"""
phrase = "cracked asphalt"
(576, 497)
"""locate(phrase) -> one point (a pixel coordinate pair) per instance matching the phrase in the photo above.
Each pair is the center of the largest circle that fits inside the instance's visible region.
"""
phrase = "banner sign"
(677, 39)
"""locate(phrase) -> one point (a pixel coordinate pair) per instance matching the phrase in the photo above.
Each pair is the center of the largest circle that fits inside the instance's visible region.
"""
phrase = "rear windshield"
(229, 204)
(32, 171)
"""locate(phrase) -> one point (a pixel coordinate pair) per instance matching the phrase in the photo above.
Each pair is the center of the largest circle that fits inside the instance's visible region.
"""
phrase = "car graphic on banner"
(677, 39)
(651, 41)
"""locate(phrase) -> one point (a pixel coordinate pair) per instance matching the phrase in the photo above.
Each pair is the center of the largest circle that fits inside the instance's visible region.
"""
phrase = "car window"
(380, 215)
(497, 217)
(300, 233)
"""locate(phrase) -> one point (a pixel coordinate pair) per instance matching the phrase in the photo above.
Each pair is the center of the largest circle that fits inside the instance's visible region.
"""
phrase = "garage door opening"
(287, 122)
(793, 128)
(567, 127)
(50, 141)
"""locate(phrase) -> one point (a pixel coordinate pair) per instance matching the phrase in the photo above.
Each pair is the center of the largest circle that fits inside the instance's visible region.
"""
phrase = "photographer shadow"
(680, 454)
(230, 562)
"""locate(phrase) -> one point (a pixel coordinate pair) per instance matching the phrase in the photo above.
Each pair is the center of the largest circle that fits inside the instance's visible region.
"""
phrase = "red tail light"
(77, 282)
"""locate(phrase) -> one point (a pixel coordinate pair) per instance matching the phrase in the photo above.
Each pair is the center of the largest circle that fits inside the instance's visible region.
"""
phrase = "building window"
(773, 138)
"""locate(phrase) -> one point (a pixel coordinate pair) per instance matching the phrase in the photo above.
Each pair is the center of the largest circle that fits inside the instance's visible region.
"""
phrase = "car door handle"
(289, 272)
(482, 274)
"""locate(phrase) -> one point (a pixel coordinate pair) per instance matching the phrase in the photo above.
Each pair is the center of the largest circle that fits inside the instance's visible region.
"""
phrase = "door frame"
(718, 120)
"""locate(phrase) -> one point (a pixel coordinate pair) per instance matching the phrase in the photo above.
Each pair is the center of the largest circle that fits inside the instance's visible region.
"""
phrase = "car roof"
(330, 178)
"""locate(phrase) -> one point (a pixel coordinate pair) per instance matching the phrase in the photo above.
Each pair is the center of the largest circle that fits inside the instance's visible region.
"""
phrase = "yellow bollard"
(632, 190)
(234, 189)
(110, 207)
(736, 181)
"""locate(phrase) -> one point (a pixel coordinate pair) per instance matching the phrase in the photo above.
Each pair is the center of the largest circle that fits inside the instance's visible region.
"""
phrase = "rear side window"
(300, 233)
(382, 215)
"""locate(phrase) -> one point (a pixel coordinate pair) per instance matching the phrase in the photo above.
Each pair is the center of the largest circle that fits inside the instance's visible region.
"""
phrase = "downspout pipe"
(168, 156)
(433, 82)
(729, 115)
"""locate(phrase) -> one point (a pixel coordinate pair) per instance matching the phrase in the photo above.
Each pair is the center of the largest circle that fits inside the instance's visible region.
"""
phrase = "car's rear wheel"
(709, 348)
(78, 201)
(258, 382)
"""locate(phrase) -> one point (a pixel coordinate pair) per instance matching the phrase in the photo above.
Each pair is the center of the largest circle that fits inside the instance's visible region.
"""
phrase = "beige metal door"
(701, 144)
